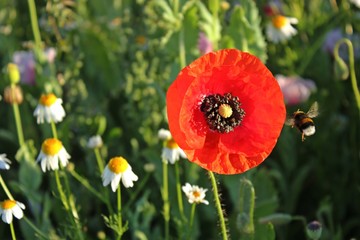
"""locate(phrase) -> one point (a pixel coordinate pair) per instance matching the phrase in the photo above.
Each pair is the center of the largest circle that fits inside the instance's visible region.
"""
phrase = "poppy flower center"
(222, 113)
(8, 204)
(51, 146)
(48, 99)
(118, 165)
(279, 21)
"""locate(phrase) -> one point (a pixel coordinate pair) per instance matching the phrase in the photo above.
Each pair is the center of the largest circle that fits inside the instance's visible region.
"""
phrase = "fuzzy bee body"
(303, 121)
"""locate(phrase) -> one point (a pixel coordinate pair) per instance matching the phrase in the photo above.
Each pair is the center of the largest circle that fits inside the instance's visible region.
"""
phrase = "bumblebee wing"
(290, 121)
(314, 110)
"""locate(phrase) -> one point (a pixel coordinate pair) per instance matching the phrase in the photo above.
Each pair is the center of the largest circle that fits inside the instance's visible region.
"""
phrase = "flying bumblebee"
(303, 121)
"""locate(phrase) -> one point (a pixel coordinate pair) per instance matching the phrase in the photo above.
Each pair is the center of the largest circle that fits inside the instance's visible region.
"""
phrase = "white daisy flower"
(4, 162)
(280, 28)
(195, 194)
(8, 208)
(356, 3)
(49, 107)
(171, 151)
(118, 169)
(95, 142)
(52, 151)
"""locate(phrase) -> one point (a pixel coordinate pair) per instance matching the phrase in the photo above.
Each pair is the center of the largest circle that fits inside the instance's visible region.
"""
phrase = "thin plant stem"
(99, 160)
(13, 236)
(218, 206)
(178, 190)
(192, 216)
(166, 206)
(176, 6)
(215, 17)
(6, 190)
(137, 191)
(69, 206)
(182, 51)
(87, 185)
(61, 191)
(72, 207)
(351, 66)
(17, 117)
(34, 22)
(53, 129)
(119, 212)
(37, 230)
(100, 163)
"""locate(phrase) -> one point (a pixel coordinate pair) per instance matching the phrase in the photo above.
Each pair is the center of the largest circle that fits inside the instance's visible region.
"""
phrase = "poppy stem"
(165, 194)
(218, 206)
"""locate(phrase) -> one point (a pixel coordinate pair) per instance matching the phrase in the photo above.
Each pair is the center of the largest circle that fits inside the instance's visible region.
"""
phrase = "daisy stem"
(120, 232)
(192, 215)
(60, 190)
(34, 23)
(6, 190)
(19, 128)
(218, 206)
(178, 190)
(165, 193)
(99, 160)
(12, 231)
(53, 129)
(352, 67)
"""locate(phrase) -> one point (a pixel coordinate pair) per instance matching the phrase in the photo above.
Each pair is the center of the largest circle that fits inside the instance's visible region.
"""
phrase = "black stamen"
(210, 107)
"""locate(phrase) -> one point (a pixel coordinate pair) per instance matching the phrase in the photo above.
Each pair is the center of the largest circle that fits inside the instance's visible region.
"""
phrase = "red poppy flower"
(226, 111)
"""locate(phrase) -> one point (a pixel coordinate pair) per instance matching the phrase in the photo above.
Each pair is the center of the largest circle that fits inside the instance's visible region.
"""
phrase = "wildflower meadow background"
(83, 104)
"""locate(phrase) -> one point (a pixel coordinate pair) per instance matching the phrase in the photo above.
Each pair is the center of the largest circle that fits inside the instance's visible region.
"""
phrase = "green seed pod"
(314, 230)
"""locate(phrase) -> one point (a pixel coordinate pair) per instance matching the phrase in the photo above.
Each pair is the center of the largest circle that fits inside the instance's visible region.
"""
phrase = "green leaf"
(244, 31)
(30, 175)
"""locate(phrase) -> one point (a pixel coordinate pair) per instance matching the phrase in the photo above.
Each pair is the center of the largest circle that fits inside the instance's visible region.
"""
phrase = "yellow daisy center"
(196, 194)
(48, 99)
(279, 21)
(51, 146)
(225, 110)
(8, 204)
(118, 165)
(171, 144)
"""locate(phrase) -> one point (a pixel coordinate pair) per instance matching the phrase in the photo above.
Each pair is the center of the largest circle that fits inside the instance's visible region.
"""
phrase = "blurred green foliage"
(115, 60)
